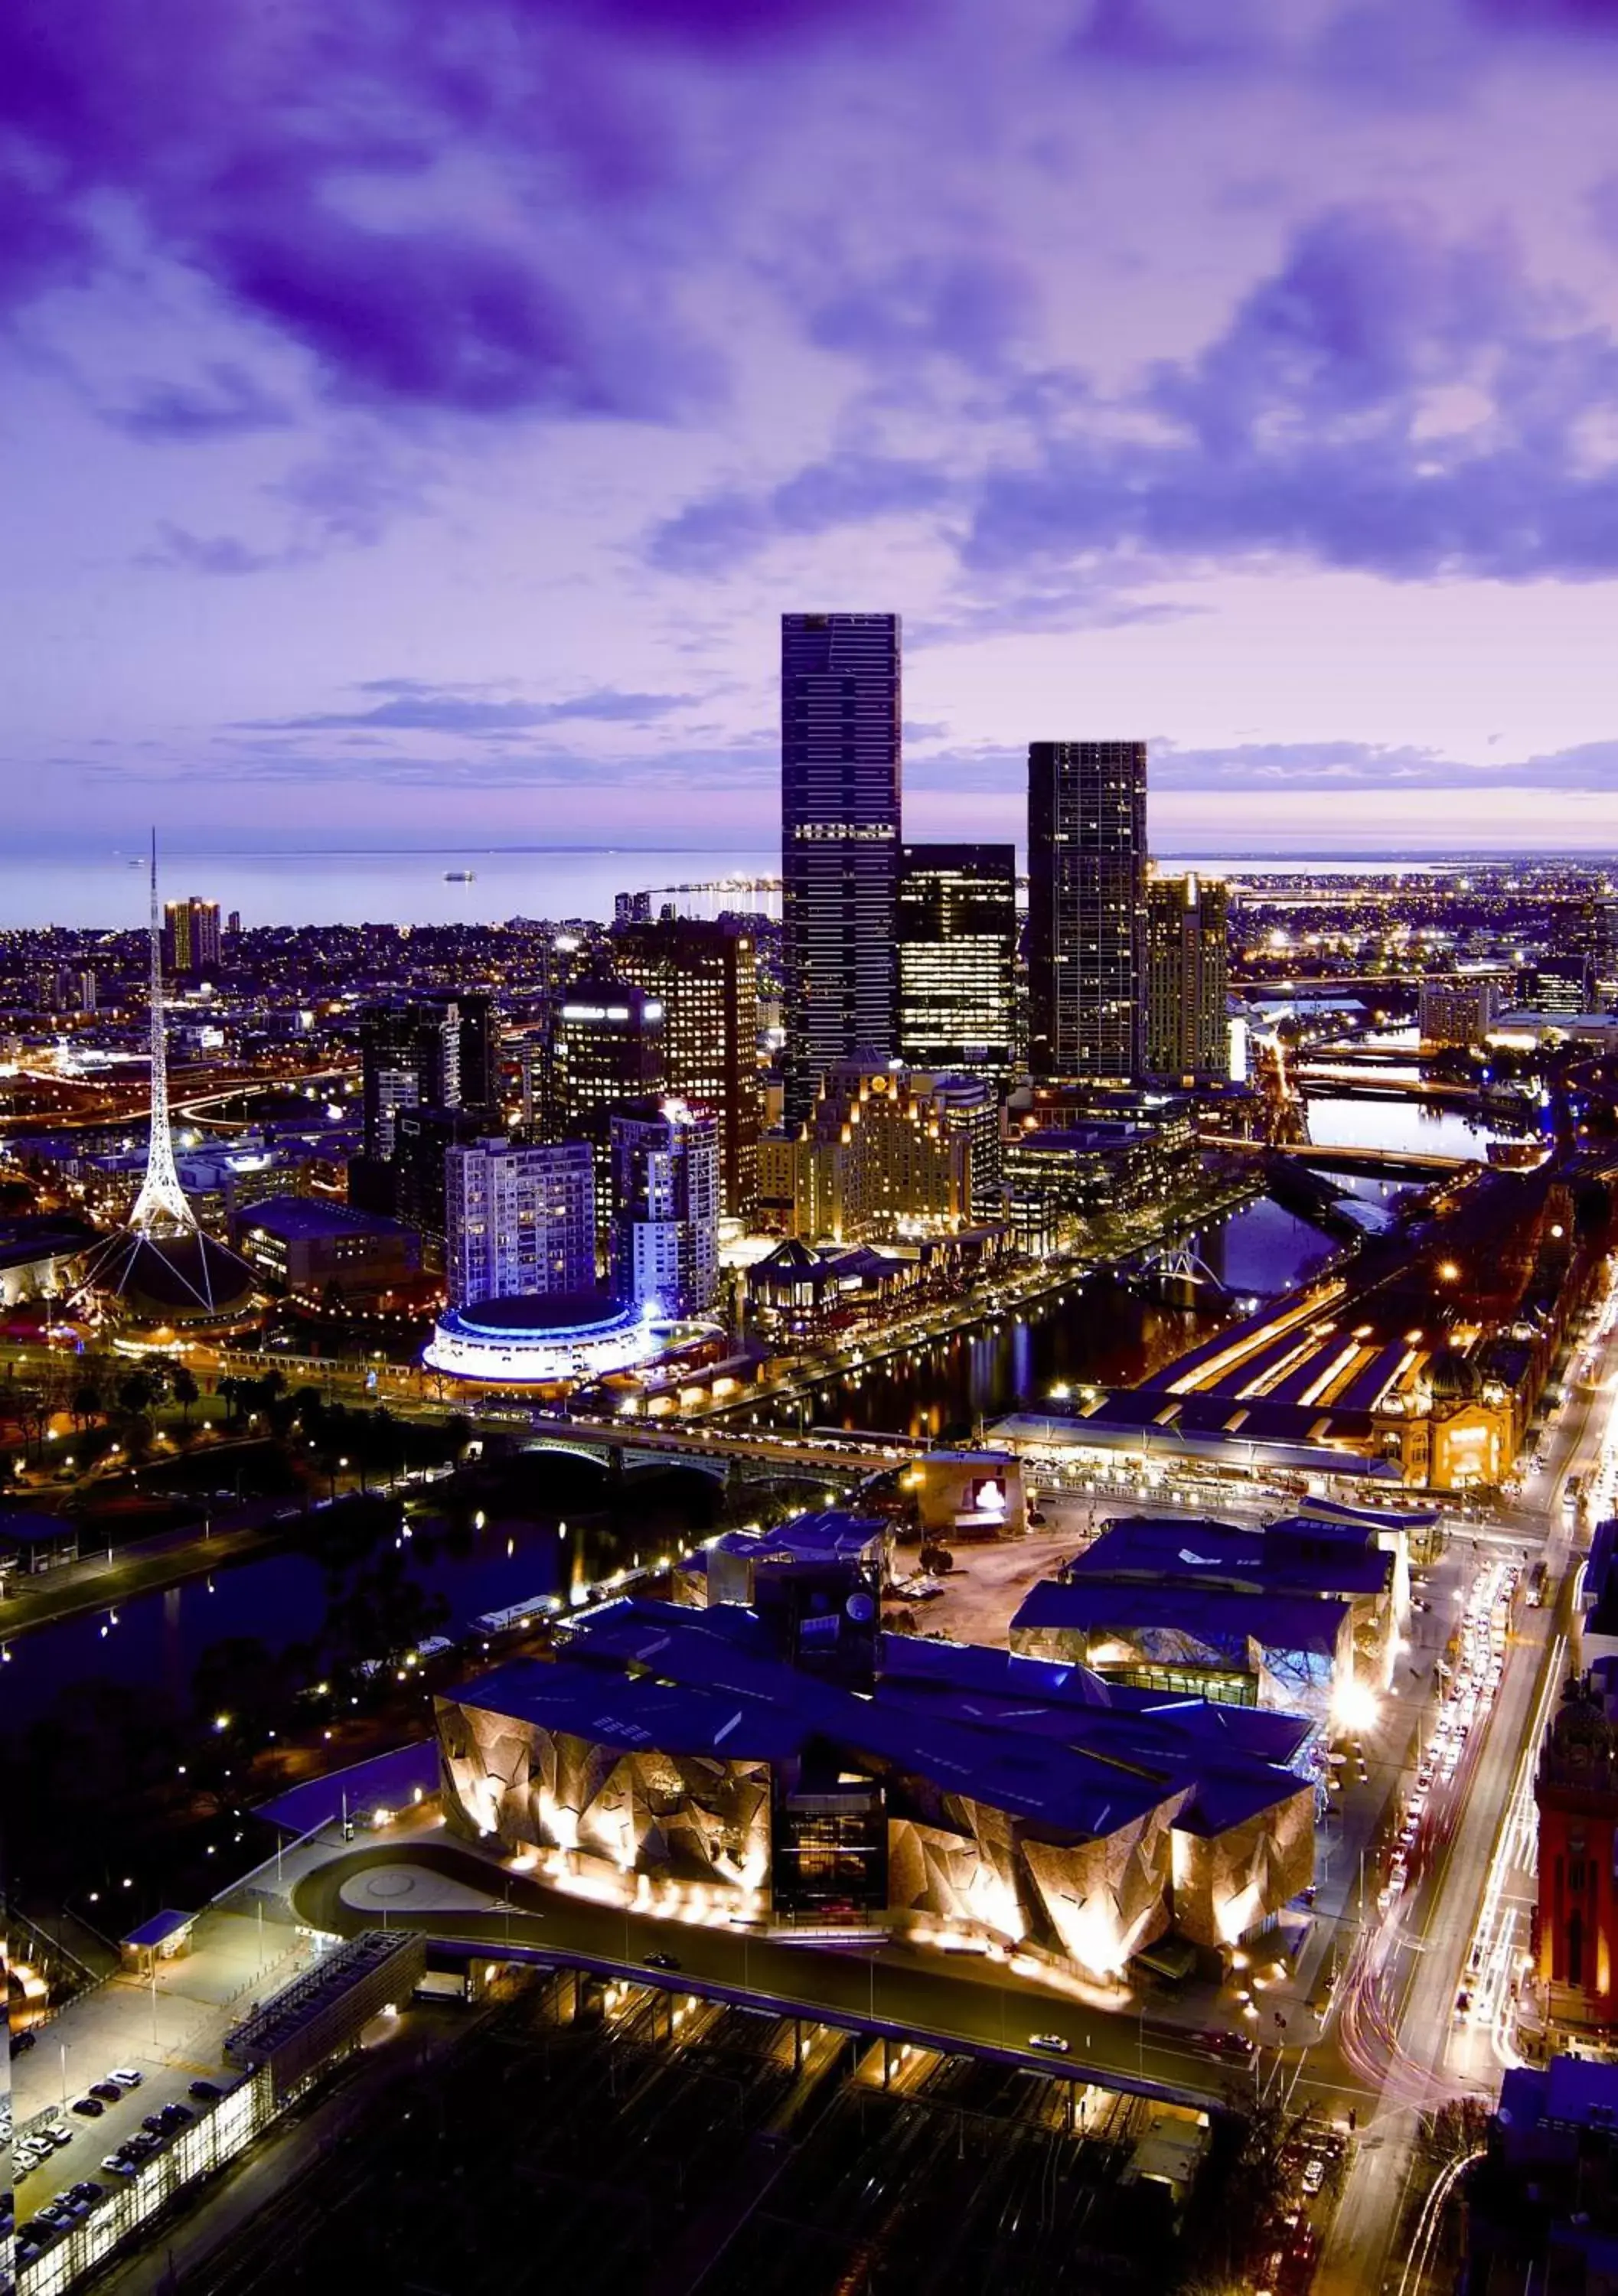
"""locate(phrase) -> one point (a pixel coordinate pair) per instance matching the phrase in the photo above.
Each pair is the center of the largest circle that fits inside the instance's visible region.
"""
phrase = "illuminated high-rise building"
(606, 1048)
(956, 939)
(191, 938)
(1188, 1030)
(705, 974)
(1087, 864)
(520, 1219)
(840, 830)
(665, 1175)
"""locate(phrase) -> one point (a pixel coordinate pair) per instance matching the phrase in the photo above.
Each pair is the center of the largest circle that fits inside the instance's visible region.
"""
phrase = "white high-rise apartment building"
(666, 1208)
(520, 1220)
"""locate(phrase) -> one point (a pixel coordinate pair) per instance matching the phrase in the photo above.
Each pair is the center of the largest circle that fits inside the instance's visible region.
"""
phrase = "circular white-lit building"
(550, 1338)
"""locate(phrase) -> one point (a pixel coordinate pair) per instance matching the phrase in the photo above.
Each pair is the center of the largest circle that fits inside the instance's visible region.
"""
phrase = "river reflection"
(1099, 1331)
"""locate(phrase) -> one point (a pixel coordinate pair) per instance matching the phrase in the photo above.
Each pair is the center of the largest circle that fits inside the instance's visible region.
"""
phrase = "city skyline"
(341, 486)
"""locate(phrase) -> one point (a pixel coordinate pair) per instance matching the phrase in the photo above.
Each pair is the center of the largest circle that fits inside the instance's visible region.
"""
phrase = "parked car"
(126, 2077)
(91, 2107)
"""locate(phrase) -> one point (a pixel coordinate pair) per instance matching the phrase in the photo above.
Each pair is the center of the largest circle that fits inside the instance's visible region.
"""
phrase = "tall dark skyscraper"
(956, 941)
(1187, 1031)
(840, 830)
(410, 1057)
(706, 974)
(1087, 866)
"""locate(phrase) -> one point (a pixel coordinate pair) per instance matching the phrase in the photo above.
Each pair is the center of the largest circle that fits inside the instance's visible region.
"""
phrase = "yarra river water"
(1097, 1330)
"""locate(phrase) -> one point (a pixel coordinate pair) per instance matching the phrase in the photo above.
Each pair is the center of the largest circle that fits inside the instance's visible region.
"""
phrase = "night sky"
(416, 413)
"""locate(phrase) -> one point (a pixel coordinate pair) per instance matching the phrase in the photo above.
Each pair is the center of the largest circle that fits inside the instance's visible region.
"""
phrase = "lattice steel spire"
(162, 1207)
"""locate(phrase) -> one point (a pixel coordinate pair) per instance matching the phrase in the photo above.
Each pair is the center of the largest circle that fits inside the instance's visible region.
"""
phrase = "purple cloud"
(412, 706)
(720, 529)
(180, 550)
(972, 307)
(1386, 401)
(228, 404)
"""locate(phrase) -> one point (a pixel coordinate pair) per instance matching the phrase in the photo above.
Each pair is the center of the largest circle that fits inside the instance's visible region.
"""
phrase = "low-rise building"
(1290, 1616)
(306, 1244)
(974, 1789)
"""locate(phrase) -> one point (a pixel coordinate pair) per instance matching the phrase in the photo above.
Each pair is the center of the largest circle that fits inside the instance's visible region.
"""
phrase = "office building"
(520, 1220)
(1188, 1030)
(421, 1139)
(191, 938)
(480, 1051)
(840, 831)
(1086, 861)
(410, 1057)
(606, 1048)
(665, 1178)
(705, 975)
(884, 1154)
(1462, 1012)
(632, 908)
(957, 940)
(309, 1246)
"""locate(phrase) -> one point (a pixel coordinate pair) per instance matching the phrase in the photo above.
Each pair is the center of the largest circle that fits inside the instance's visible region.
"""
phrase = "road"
(1434, 2056)
(960, 2003)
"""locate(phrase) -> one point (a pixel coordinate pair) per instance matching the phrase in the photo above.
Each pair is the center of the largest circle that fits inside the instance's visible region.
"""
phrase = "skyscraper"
(410, 1057)
(191, 937)
(1086, 860)
(957, 937)
(1188, 1030)
(706, 975)
(607, 1047)
(840, 828)
(521, 1221)
(665, 1206)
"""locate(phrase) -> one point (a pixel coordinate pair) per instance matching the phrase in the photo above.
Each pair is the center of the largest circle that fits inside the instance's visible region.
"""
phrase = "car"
(207, 2090)
(87, 2191)
(1227, 2045)
(1314, 2175)
(156, 2122)
(116, 2164)
(91, 2107)
(126, 2077)
(176, 2116)
(1051, 2044)
(107, 2091)
(24, 2041)
(660, 1961)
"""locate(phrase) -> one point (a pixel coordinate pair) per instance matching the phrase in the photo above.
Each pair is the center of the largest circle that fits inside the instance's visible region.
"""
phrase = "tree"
(184, 1389)
(87, 1401)
(136, 1393)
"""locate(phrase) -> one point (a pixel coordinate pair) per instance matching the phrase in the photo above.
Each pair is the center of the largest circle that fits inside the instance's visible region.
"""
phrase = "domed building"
(184, 1282)
(548, 1339)
(1453, 1377)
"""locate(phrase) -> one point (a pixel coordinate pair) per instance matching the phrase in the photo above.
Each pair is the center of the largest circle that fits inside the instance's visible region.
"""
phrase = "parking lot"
(167, 2030)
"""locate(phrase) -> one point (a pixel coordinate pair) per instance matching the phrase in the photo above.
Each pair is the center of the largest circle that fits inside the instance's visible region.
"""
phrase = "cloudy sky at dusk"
(414, 416)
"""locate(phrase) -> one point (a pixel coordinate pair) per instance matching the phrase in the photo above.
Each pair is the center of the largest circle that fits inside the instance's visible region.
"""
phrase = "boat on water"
(460, 876)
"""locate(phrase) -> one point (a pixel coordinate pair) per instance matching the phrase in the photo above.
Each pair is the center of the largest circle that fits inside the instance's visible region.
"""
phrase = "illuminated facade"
(972, 1788)
(521, 1221)
(1576, 1918)
(882, 1155)
(1187, 1031)
(840, 830)
(956, 939)
(705, 973)
(1086, 867)
(555, 1340)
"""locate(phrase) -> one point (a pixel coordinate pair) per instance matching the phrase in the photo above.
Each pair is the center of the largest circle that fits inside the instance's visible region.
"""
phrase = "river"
(1096, 1330)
